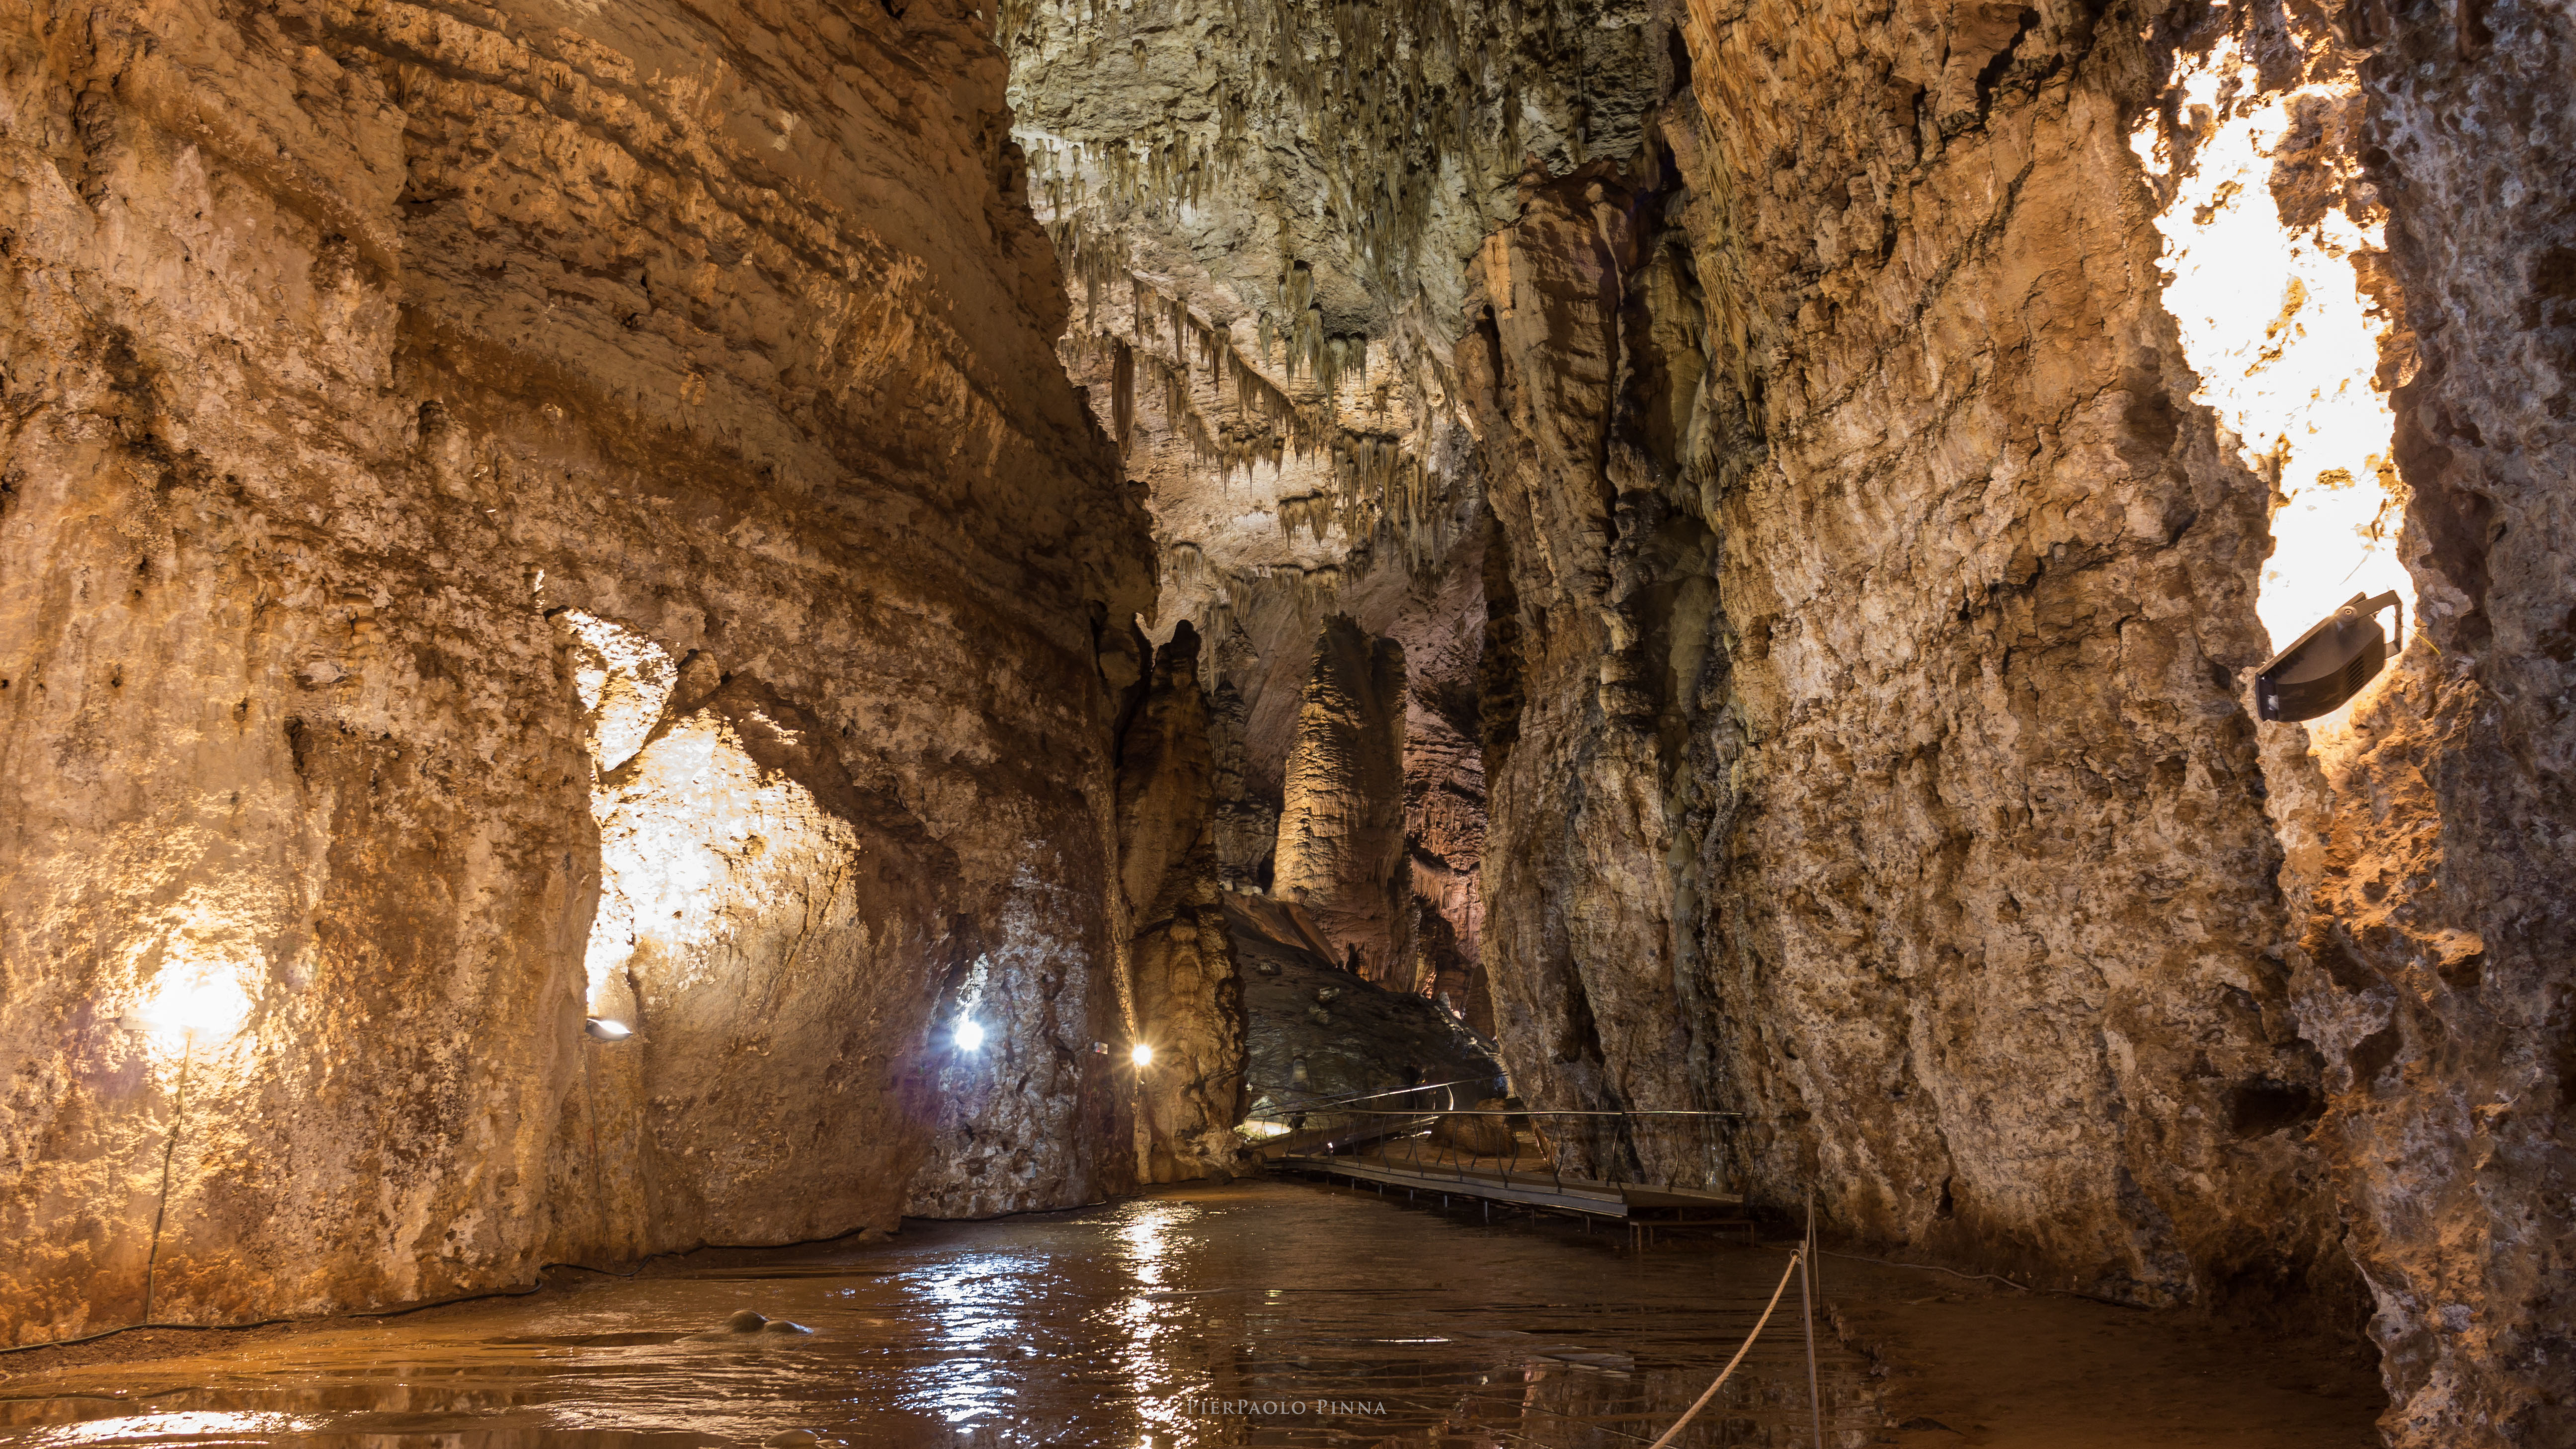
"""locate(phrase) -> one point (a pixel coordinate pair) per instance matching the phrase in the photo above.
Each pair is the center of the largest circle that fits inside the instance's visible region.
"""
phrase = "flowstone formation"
(510, 515)
(1341, 842)
(1188, 999)
(1868, 456)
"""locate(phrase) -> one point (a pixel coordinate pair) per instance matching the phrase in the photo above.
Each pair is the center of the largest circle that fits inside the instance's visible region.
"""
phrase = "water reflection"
(1200, 1318)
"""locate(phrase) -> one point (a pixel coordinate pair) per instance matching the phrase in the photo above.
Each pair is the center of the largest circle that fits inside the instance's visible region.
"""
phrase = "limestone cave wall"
(1341, 823)
(1725, 541)
(1901, 466)
(1265, 214)
(1868, 450)
(2433, 840)
(511, 514)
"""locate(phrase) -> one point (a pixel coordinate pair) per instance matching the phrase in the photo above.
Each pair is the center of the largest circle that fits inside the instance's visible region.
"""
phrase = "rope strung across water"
(1795, 1259)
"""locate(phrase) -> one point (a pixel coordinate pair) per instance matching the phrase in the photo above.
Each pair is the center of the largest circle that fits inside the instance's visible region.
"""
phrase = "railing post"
(1815, 1248)
(1807, 1309)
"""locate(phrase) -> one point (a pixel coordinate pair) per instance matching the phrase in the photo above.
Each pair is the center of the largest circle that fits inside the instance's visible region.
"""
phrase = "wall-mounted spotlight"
(1141, 1054)
(600, 1028)
(192, 1001)
(2330, 663)
(970, 1035)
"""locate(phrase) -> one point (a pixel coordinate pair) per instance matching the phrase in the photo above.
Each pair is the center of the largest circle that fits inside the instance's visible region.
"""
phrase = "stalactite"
(1391, 96)
(1122, 396)
(1311, 512)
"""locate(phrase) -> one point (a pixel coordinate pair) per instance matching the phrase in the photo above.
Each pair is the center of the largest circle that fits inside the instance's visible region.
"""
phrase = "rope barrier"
(1796, 1259)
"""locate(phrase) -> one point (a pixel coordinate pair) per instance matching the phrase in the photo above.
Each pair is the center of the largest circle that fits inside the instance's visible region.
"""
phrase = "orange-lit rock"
(1341, 821)
(345, 342)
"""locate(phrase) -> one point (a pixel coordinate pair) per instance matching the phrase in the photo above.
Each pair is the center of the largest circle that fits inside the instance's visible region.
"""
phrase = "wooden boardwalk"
(1528, 1184)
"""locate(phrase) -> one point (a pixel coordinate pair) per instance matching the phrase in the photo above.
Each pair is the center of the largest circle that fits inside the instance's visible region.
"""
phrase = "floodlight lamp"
(1141, 1054)
(970, 1035)
(195, 1000)
(2330, 663)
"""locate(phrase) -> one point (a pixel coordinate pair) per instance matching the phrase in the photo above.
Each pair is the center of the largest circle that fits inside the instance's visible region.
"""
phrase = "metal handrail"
(1323, 1102)
(1626, 1144)
(1528, 1112)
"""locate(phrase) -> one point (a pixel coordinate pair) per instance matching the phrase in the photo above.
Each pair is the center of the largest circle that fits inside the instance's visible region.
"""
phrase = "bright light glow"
(2286, 345)
(1146, 1248)
(199, 1425)
(1141, 1054)
(970, 1035)
(973, 1313)
(606, 1030)
(195, 998)
(624, 680)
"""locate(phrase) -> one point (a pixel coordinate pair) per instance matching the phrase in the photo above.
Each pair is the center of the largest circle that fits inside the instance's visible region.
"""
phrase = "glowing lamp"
(600, 1028)
(970, 1035)
(195, 1000)
(1141, 1054)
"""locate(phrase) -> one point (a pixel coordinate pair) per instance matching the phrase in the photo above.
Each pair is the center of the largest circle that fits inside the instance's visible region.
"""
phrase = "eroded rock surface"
(1879, 479)
(1314, 1033)
(2433, 837)
(516, 514)
(344, 344)
(1266, 216)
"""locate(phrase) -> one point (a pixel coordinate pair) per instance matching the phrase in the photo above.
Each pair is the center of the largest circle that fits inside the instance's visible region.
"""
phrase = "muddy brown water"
(1264, 1313)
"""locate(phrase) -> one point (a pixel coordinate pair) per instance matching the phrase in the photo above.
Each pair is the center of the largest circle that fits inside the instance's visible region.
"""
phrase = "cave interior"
(1677, 594)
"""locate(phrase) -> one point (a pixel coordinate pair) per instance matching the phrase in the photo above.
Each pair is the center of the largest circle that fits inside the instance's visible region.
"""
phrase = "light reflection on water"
(1113, 1326)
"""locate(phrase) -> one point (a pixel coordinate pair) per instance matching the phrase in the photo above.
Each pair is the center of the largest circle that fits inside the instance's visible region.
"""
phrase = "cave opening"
(1183, 724)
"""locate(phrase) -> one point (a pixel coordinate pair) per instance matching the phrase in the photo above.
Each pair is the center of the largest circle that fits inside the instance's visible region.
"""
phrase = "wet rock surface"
(1102, 1326)
(1088, 1327)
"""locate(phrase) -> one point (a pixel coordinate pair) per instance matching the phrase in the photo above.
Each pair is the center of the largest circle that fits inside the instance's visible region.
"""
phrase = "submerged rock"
(748, 1323)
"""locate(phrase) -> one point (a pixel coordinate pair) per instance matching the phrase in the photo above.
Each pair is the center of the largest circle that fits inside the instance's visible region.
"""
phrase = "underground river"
(1116, 1325)
(1333, 1316)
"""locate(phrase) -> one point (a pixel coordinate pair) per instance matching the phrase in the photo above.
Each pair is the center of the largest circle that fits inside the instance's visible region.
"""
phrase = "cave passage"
(1121, 703)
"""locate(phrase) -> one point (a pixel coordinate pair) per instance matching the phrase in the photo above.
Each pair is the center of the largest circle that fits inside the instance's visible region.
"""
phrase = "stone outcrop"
(1989, 914)
(1188, 1003)
(2432, 838)
(1940, 838)
(345, 345)
(1443, 635)
(1264, 217)
(1313, 1032)
(1725, 542)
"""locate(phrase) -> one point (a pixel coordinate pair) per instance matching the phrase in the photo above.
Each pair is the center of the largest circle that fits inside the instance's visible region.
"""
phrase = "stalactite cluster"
(1263, 199)
(1400, 107)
